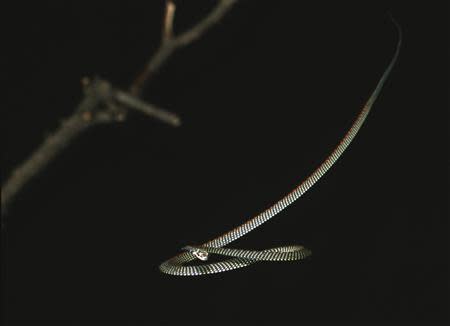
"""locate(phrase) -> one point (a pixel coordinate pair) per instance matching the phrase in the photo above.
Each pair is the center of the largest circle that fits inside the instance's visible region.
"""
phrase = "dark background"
(264, 97)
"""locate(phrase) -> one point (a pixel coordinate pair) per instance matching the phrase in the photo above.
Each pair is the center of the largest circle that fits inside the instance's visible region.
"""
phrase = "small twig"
(149, 109)
(171, 43)
(167, 29)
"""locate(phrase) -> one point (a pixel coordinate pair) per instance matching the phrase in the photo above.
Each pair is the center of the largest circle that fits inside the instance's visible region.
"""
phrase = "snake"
(182, 264)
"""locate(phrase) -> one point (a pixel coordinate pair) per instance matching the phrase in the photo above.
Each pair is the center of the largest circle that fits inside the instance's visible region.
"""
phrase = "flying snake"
(237, 258)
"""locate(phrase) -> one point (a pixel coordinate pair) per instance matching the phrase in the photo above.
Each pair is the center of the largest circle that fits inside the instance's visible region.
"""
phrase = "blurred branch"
(104, 104)
(101, 104)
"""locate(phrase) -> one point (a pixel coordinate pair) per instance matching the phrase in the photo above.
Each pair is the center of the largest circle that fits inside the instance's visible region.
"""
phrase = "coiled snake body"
(240, 258)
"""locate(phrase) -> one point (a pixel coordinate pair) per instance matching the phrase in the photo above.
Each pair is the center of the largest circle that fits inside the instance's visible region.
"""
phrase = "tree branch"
(71, 127)
(104, 104)
(101, 104)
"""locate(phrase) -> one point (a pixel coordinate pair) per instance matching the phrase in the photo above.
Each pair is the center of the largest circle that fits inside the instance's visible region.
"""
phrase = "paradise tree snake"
(240, 258)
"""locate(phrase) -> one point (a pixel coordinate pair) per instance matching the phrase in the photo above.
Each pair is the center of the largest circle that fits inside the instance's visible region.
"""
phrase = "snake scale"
(237, 258)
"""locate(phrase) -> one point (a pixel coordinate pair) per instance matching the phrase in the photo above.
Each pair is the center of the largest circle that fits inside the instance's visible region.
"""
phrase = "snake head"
(197, 252)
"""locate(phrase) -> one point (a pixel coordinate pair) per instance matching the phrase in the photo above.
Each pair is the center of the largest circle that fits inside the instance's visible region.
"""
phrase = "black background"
(264, 97)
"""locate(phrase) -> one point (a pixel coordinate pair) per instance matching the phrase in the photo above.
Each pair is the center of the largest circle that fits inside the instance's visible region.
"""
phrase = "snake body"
(238, 258)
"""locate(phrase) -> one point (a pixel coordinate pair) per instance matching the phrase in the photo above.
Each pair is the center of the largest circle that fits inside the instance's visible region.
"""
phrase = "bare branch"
(98, 106)
(53, 144)
(103, 104)
(169, 45)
